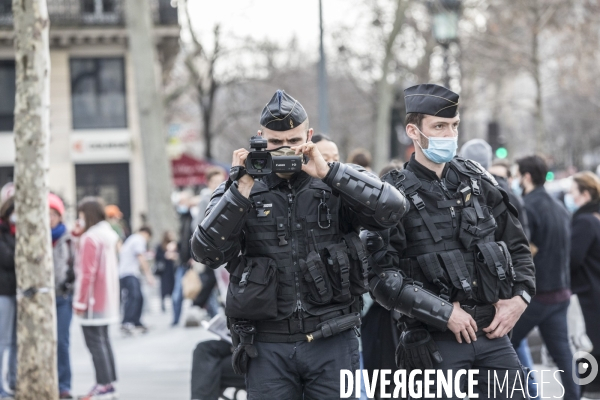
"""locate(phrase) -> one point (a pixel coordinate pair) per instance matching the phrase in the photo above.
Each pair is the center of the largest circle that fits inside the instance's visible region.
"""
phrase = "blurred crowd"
(100, 268)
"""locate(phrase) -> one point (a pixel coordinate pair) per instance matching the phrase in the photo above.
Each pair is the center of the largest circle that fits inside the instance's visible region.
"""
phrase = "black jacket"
(8, 280)
(550, 227)
(297, 238)
(585, 267)
(508, 229)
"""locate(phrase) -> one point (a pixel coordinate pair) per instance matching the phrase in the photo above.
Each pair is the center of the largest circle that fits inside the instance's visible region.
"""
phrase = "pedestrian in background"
(185, 232)
(96, 297)
(8, 297)
(584, 200)
(360, 157)
(165, 262)
(206, 303)
(63, 278)
(327, 147)
(114, 216)
(132, 264)
(550, 230)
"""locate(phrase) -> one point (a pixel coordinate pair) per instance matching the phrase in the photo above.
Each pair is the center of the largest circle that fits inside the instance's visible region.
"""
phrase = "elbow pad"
(367, 194)
(222, 224)
(390, 290)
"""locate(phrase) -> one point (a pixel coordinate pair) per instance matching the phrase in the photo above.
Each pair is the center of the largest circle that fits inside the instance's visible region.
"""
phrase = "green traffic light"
(550, 176)
(501, 152)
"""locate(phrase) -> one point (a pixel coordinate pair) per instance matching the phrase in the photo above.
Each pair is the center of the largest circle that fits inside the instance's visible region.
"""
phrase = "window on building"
(7, 95)
(5, 7)
(98, 93)
(98, 6)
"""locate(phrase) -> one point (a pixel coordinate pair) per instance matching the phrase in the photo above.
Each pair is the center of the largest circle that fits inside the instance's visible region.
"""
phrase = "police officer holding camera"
(461, 240)
(286, 223)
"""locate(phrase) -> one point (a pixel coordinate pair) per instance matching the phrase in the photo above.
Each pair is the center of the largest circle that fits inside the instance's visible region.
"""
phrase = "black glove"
(245, 348)
(416, 350)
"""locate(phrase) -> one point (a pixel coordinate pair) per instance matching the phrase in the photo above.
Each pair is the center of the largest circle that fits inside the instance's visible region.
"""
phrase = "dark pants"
(302, 370)
(212, 371)
(133, 300)
(98, 343)
(489, 356)
(177, 295)
(551, 319)
(64, 314)
(209, 281)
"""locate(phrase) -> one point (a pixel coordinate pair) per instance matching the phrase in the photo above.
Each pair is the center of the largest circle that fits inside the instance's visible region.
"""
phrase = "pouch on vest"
(473, 229)
(315, 274)
(252, 291)
(433, 271)
(338, 269)
(458, 271)
(359, 264)
(494, 273)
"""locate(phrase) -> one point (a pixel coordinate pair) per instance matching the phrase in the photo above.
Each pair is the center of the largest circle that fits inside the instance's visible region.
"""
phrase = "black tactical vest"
(450, 235)
(297, 254)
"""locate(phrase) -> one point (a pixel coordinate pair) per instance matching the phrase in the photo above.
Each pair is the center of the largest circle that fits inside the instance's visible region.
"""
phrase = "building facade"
(95, 145)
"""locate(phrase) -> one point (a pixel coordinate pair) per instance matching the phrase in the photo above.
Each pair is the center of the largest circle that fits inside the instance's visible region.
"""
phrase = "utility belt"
(297, 329)
(245, 333)
(483, 314)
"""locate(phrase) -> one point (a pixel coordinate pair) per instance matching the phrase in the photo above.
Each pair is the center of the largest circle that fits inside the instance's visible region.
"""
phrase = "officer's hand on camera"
(316, 167)
(508, 313)
(246, 182)
(462, 324)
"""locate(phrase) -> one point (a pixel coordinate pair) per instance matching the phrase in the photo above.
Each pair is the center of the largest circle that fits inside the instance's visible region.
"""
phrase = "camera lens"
(259, 163)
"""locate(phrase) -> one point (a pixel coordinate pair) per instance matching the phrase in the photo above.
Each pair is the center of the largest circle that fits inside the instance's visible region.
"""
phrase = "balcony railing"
(87, 13)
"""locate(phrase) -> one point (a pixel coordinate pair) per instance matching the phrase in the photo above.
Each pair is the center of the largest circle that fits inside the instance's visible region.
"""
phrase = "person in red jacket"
(96, 297)
(8, 292)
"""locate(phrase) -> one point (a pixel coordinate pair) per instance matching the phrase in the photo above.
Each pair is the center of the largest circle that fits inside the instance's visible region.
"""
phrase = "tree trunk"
(36, 332)
(540, 136)
(206, 111)
(385, 94)
(161, 215)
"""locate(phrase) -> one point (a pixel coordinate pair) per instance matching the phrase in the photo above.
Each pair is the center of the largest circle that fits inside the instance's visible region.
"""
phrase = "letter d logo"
(585, 368)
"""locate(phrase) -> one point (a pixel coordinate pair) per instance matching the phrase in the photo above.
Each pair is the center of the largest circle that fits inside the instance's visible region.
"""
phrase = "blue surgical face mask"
(570, 203)
(440, 150)
(516, 187)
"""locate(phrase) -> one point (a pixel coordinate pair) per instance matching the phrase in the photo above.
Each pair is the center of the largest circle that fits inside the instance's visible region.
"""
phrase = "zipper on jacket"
(449, 196)
(294, 250)
(445, 189)
(453, 217)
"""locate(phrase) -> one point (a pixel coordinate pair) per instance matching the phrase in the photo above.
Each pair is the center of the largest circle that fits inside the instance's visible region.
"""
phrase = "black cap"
(282, 113)
(431, 99)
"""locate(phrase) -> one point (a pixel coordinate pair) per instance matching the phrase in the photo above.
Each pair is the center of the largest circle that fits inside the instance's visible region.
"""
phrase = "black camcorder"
(261, 162)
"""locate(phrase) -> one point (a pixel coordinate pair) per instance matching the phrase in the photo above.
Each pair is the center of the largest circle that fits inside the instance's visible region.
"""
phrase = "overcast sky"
(277, 19)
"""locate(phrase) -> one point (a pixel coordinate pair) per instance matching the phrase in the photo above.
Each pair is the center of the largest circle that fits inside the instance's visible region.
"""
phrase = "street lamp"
(445, 15)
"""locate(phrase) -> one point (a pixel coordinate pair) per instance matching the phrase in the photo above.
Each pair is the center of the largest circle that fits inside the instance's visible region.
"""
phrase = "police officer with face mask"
(297, 265)
(462, 240)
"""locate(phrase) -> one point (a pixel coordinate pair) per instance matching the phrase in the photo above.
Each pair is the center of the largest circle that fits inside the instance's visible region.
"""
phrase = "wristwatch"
(235, 173)
(524, 295)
